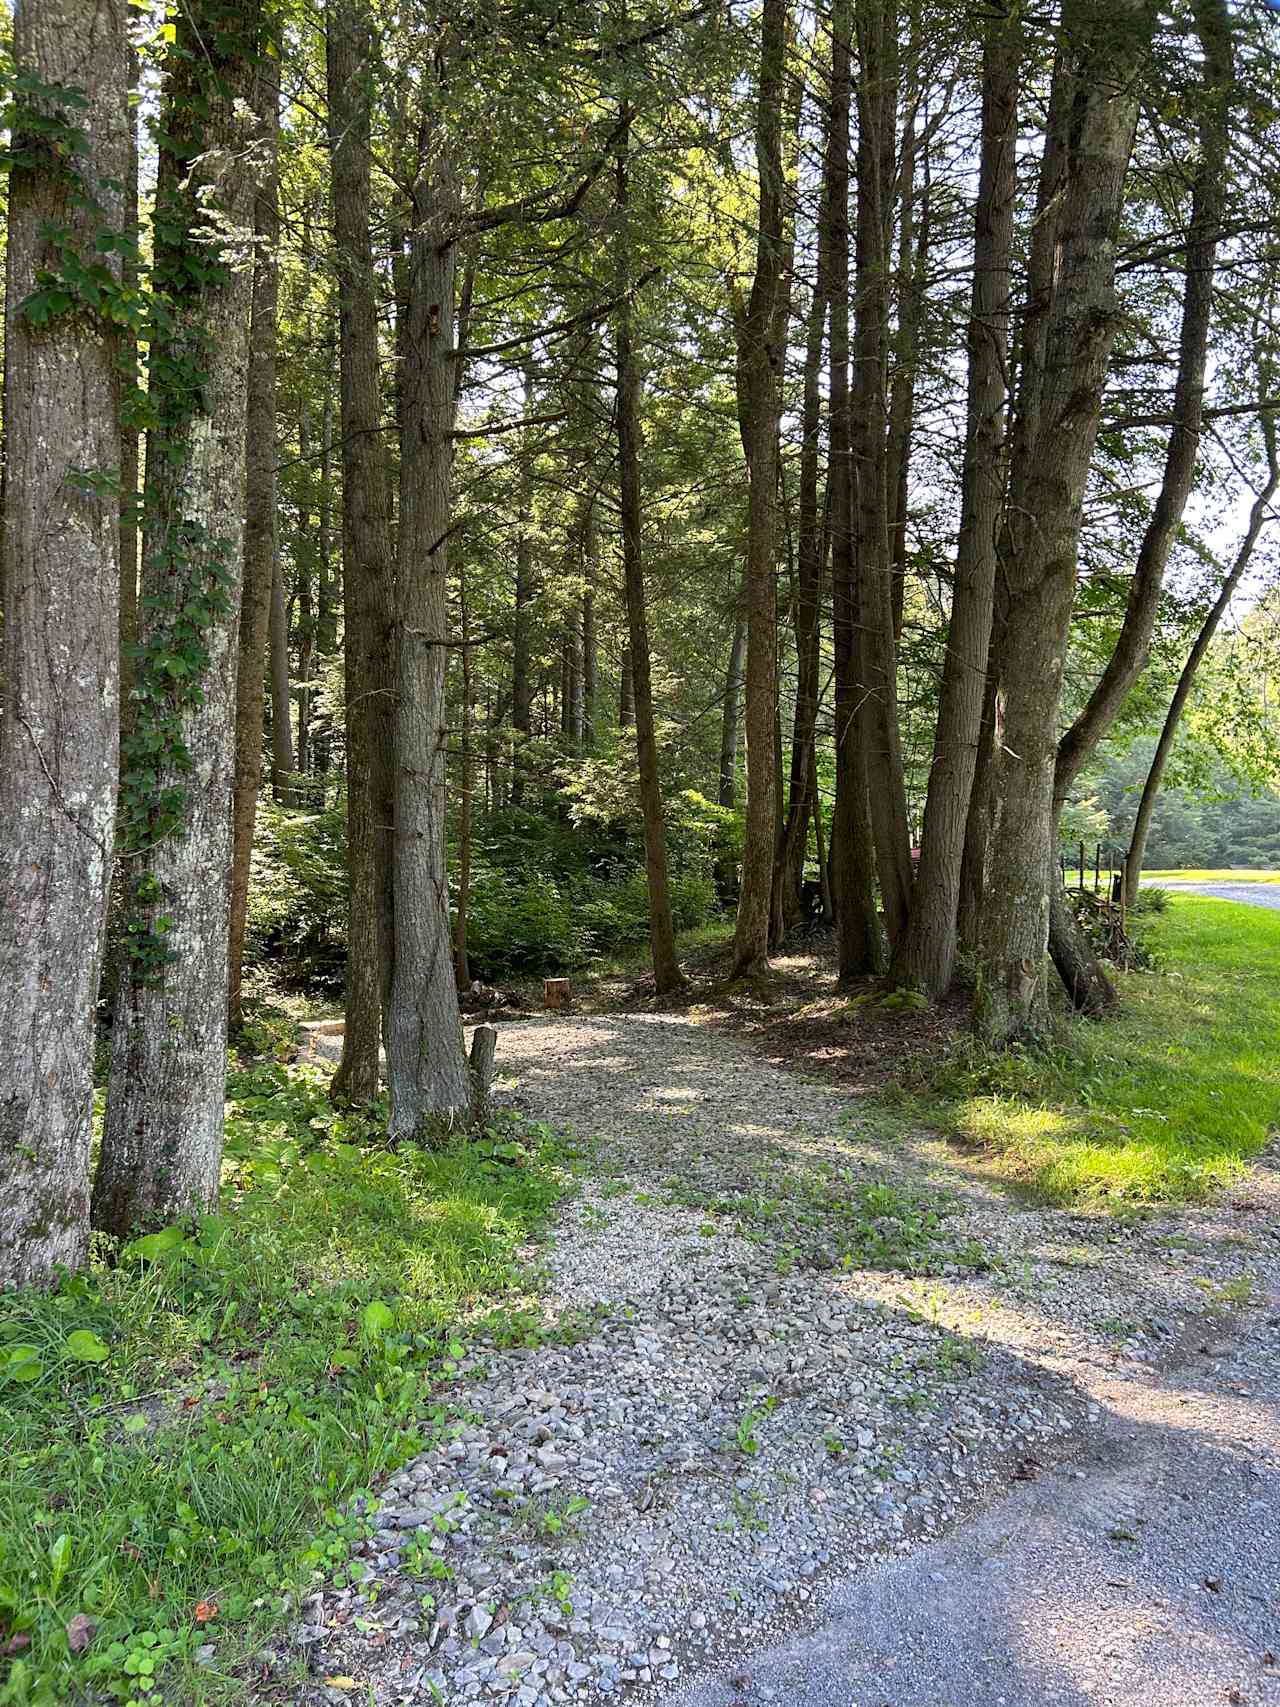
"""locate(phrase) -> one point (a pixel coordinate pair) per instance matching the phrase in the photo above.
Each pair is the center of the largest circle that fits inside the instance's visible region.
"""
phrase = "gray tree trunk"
(283, 761)
(662, 942)
(59, 579)
(852, 857)
(426, 1060)
(162, 1141)
(761, 344)
(731, 710)
(926, 953)
(368, 571)
(1093, 110)
(259, 532)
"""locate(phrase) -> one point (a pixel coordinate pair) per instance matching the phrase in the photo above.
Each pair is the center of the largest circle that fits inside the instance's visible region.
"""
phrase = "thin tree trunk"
(283, 765)
(666, 969)
(761, 340)
(626, 692)
(1093, 111)
(730, 713)
(878, 715)
(130, 460)
(59, 580)
(590, 664)
(259, 532)
(306, 606)
(162, 1140)
(926, 953)
(1259, 516)
(808, 601)
(368, 582)
(426, 1060)
(466, 790)
(521, 645)
(852, 858)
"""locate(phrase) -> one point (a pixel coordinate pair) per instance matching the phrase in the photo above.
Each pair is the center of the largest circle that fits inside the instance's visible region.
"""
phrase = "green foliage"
(298, 894)
(181, 1432)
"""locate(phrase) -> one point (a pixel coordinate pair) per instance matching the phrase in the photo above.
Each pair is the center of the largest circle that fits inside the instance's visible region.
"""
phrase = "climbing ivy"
(190, 572)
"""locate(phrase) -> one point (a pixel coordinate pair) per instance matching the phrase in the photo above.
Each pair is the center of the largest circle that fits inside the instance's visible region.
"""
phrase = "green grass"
(180, 1433)
(1242, 874)
(1166, 1102)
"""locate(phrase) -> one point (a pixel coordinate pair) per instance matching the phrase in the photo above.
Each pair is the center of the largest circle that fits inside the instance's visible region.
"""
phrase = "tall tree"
(162, 1139)
(59, 582)
(761, 330)
(368, 572)
(852, 859)
(925, 954)
(260, 530)
(1066, 348)
(666, 968)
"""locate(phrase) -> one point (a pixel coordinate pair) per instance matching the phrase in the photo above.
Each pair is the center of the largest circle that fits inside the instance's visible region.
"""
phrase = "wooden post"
(484, 1046)
(557, 993)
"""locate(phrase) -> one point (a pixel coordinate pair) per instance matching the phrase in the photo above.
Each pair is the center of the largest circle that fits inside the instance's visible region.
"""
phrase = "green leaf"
(152, 1246)
(135, 1424)
(21, 1363)
(59, 1559)
(377, 1319)
(85, 1347)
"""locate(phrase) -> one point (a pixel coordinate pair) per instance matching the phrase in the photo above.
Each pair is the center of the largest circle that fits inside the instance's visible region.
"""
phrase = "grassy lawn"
(1243, 874)
(178, 1432)
(1166, 1102)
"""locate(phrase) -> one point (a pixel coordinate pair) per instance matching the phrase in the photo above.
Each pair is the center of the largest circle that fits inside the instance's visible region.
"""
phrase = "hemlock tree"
(69, 155)
(162, 1140)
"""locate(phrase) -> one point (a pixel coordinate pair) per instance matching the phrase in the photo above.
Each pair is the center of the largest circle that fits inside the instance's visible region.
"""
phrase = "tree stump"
(557, 993)
(484, 1045)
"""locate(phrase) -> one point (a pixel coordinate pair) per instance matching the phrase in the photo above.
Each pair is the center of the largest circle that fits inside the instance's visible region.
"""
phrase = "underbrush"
(1165, 1102)
(182, 1432)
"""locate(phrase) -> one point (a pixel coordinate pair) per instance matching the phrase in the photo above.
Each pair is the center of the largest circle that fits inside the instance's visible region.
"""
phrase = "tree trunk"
(306, 611)
(666, 969)
(368, 583)
(1259, 515)
(259, 531)
(466, 791)
(626, 692)
(761, 343)
(590, 667)
(283, 764)
(878, 711)
(729, 713)
(1093, 110)
(852, 858)
(162, 1140)
(130, 460)
(1208, 197)
(926, 953)
(521, 647)
(59, 579)
(426, 1060)
(808, 603)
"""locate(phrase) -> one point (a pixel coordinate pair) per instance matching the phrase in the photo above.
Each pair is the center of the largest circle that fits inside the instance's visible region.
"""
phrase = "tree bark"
(426, 1061)
(283, 763)
(761, 338)
(852, 855)
(662, 942)
(130, 460)
(1208, 197)
(1259, 515)
(162, 1140)
(808, 601)
(730, 711)
(1093, 110)
(59, 579)
(626, 692)
(259, 531)
(878, 711)
(521, 644)
(926, 953)
(368, 578)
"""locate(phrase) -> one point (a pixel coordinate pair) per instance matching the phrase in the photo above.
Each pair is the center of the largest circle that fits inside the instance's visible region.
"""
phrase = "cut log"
(484, 1045)
(557, 993)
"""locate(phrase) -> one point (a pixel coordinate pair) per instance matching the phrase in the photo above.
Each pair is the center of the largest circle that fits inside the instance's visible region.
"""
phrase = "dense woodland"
(486, 487)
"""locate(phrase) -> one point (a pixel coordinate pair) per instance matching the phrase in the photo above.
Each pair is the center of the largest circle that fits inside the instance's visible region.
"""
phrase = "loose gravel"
(782, 1345)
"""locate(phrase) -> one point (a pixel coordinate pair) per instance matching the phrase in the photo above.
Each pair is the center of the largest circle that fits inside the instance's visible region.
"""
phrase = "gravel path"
(1256, 894)
(792, 1353)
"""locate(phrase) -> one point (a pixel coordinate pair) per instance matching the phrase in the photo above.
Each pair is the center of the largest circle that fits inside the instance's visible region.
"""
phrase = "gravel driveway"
(823, 1417)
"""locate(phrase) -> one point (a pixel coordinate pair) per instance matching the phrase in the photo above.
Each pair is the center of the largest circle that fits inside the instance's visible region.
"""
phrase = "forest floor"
(805, 1404)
